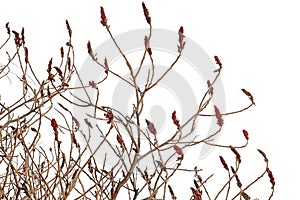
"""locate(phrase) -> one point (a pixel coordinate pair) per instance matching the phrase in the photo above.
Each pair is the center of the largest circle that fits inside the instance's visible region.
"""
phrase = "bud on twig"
(59, 72)
(263, 154)
(272, 179)
(210, 88)
(69, 28)
(197, 195)
(245, 196)
(218, 116)
(224, 163)
(179, 151)
(218, 61)
(103, 16)
(146, 13)
(23, 35)
(151, 127)
(89, 47)
(172, 192)
(26, 55)
(181, 39)
(7, 28)
(249, 95)
(106, 65)
(238, 182)
(17, 39)
(109, 116)
(121, 142)
(62, 53)
(49, 65)
(175, 120)
(93, 84)
(246, 135)
(238, 156)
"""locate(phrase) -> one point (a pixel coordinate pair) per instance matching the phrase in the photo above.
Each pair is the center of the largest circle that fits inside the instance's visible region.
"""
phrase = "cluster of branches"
(30, 170)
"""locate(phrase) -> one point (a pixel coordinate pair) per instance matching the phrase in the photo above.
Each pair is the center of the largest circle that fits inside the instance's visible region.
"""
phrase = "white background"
(257, 41)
